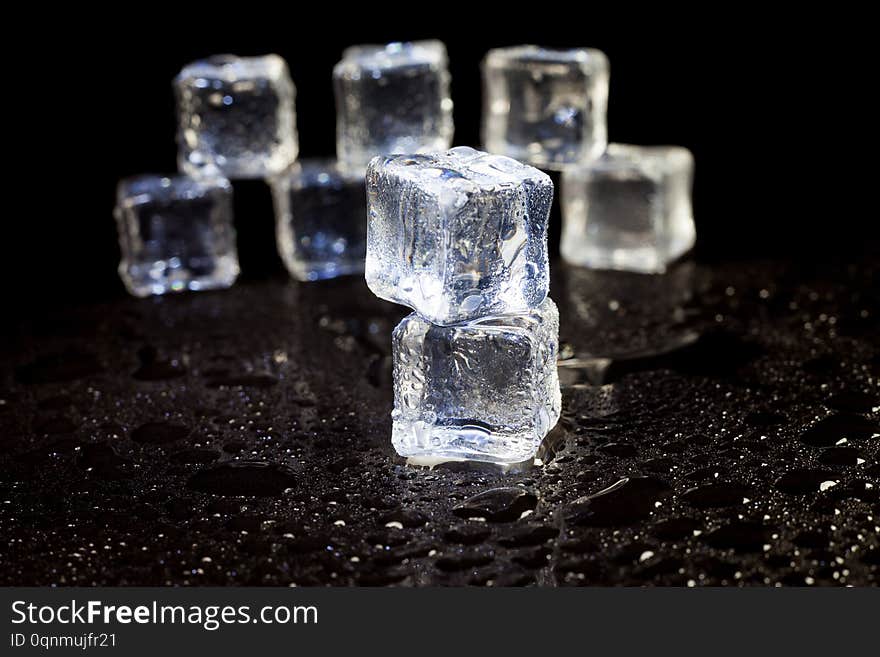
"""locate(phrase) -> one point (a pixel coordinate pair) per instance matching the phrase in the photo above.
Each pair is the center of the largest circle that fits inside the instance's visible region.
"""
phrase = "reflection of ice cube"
(320, 220)
(457, 235)
(175, 234)
(485, 390)
(629, 210)
(545, 106)
(391, 99)
(236, 115)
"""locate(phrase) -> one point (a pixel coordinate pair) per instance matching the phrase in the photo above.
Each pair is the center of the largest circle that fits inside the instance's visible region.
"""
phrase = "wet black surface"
(720, 427)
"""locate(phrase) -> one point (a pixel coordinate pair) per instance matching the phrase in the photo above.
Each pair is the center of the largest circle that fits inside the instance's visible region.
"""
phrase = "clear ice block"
(629, 210)
(236, 116)
(320, 220)
(392, 99)
(175, 234)
(457, 235)
(485, 390)
(546, 107)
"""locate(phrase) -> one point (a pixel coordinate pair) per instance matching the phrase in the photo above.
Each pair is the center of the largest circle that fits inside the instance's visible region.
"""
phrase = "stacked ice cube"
(175, 233)
(461, 237)
(623, 207)
(236, 117)
(236, 120)
(389, 98)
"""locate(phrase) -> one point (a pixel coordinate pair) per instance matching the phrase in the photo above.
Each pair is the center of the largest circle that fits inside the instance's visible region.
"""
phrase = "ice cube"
(320, 220)
(457, 235)
(391, 99)
(629, 210)
(544, 106)
(175, 234)
(236, 116)
(485, 390)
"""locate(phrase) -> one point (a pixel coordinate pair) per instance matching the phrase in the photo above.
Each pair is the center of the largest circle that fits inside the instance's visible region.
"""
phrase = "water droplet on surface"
(159, 433)
(250, 524)
(713, 496)
(675, 528)
(234, 446)
(803, 480)
(497, 504)
(578, 545)
(532, 558)
(529, 535)
(741, 536)
(621, 450)
(623, 503)
(831, 429)
(103, 462)
(244, 478)
(764, 419)
(464, 560)
(467, 534)
(195, 456)
(854, 402)
(840, 456)
(307, 544)
(659, 465)
(408, 518)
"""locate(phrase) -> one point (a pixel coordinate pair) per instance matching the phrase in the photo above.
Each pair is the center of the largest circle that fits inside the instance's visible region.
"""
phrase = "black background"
(763, 104)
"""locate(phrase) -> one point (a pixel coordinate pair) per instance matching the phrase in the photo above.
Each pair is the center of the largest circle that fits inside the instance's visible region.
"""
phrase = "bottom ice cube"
(320, 220)
(629, 210)
(484, 390)
(175, 233)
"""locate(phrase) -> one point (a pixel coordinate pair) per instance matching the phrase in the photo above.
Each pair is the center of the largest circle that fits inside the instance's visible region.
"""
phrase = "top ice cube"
(457, 235)
(391, 99)
(543, 106)
(236, 116)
